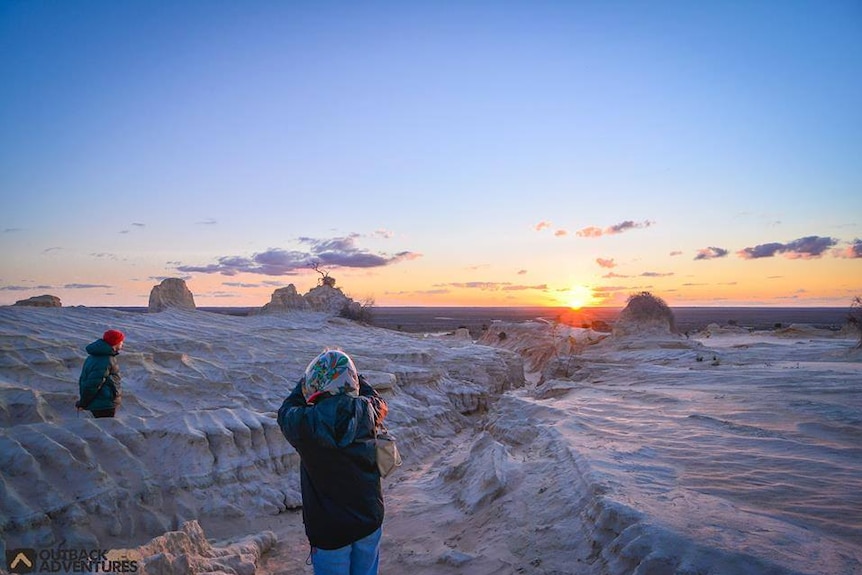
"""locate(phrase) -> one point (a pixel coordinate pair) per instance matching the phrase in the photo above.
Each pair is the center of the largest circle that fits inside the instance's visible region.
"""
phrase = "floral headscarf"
(330, 372)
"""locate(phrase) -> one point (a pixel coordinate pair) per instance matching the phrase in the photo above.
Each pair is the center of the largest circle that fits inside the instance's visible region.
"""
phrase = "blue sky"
(470, 153)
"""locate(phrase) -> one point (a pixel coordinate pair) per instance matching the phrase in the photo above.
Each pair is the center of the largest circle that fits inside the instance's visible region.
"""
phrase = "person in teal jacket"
(99, 385)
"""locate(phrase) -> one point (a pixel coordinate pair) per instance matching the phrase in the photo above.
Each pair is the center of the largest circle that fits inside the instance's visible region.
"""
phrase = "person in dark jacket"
(330, 418)
(99, 385)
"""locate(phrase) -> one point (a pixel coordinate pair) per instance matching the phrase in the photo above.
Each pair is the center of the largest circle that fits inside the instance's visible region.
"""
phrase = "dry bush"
(854, 317)
(361, 313)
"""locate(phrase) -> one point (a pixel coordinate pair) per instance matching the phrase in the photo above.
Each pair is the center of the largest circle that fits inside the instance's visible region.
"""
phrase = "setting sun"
(578, 296)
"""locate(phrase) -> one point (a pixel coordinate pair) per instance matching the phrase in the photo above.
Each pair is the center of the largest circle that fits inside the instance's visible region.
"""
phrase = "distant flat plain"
(688, 319)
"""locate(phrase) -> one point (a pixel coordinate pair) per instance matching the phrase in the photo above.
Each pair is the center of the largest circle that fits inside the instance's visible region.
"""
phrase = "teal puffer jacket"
(100, 364)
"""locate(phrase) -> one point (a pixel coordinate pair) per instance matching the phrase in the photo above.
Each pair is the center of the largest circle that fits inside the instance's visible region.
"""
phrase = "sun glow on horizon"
(579, 296)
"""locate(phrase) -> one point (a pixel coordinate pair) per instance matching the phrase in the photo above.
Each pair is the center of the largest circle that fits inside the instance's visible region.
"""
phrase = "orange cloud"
(590, 232)
(854, 250)
(594, 232)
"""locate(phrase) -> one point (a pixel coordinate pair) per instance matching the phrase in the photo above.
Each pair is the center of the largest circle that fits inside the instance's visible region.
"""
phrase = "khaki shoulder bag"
(388, 457)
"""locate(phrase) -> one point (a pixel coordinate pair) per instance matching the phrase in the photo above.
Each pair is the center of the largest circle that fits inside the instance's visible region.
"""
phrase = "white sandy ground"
(727, 453)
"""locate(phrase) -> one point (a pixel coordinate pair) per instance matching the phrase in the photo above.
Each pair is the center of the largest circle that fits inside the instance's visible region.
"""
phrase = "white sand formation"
(196, 437)
(286, 299)
(732, 454)
(323, 298)
(40, 301)
(171, 293)
(187, 550)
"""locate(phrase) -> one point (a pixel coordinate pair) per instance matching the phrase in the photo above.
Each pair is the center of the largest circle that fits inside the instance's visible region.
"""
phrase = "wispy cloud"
(543, 225)
(675, 253)
(25, 288)
(596, 232)
(86, 286)
(163, 278)
(440, 291)
(628, 225)
(332, 253)
(134, 225)
(606, 262)
(803, 248)
(493, 286)
(613, 275)
(486, 286)
(710, 253)
(206, 222)
(612, 289)
(540, 287)
(656, 274)
(522, 272)
(561, 233)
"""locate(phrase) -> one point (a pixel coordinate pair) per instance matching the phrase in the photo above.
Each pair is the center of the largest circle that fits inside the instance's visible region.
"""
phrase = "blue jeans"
(359, 558)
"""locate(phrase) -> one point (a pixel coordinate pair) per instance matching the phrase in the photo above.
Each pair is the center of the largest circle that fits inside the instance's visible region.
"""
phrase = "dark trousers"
(103, 412)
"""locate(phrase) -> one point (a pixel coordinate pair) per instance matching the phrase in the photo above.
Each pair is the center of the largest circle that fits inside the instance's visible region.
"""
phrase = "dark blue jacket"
(101, 363)
(342, 501)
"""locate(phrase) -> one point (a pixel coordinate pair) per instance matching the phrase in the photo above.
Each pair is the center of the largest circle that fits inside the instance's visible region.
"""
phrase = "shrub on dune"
(644, 311)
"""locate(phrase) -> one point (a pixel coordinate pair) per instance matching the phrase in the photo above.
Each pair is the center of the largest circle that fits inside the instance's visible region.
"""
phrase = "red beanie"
(112, 337)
